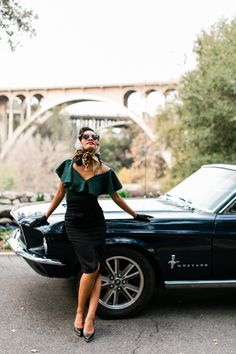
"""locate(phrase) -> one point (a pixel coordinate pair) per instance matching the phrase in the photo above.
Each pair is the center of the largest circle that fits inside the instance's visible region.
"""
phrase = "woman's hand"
(122, 204)
(39, 222)
(143, 217)
(59, 195)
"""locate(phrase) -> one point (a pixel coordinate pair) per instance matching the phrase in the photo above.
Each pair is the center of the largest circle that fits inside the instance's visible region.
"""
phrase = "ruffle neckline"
(104, 183)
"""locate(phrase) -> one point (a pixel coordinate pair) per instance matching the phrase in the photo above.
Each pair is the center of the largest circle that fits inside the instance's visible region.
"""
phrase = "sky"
(96, 42)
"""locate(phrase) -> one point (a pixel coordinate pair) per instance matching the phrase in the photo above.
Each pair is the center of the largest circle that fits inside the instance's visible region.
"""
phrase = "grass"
(5, 231)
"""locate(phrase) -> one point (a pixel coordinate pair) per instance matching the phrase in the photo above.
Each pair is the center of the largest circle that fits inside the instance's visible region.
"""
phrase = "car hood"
(111, 211)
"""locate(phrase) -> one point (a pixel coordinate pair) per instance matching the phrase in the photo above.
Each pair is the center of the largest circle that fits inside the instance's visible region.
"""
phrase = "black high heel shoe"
(79, 331)
(89, 336)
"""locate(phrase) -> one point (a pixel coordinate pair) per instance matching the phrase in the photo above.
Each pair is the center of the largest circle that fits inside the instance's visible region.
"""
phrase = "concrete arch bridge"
(22, 111)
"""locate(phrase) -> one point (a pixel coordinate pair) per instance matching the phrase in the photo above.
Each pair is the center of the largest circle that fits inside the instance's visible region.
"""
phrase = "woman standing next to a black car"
(83, 179)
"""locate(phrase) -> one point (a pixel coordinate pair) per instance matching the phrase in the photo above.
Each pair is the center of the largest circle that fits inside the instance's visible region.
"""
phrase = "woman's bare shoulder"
(104, 168)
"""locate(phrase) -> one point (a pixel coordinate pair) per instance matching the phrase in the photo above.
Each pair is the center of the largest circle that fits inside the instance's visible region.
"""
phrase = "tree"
(115, 147)
(171, 141)
(148, 161)
(203, 126)
(59, 128)
(14, 21)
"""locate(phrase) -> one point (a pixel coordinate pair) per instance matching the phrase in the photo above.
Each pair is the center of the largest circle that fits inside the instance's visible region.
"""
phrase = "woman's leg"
(93, 304)
(87, 282)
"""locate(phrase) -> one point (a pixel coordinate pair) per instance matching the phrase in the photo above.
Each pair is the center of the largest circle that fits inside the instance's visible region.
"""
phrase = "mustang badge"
(172, 262)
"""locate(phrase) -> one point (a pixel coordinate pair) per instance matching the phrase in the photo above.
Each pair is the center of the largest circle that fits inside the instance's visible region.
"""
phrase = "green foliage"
(59, 128)
(115, 148)
(6, 246)
(124, 194)
(171, 135)
(169, 127)
(148, 165)
(40, 197)
(9, 176)
(202, 128)
(208, 94)
(5, 232)
(14, 21)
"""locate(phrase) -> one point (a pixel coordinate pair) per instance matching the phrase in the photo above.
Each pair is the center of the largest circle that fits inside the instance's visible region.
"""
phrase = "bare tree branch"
(14, 22)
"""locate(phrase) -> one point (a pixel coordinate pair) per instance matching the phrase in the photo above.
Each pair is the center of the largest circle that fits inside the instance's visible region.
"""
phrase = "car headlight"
(45, 245)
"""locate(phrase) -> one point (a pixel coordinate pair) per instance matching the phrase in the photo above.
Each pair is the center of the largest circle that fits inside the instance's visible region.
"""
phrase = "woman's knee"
(94, 273)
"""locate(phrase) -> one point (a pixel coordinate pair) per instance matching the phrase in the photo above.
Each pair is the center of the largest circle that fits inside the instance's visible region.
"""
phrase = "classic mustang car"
(191, 240)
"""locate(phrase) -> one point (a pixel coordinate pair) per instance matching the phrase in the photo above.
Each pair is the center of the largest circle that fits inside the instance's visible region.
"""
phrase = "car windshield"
(205, 189)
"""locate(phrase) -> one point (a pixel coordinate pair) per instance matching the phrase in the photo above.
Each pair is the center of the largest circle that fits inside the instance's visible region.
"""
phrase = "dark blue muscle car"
(191, 240)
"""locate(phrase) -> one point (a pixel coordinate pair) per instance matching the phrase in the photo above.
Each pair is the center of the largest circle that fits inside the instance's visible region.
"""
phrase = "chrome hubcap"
(122, 283)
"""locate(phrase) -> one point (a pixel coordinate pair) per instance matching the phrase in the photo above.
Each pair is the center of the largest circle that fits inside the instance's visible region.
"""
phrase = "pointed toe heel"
(79, 331)
(89, 336)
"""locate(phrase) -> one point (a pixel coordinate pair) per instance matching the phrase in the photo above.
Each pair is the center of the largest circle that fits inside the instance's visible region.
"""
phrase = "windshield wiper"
(187, 203)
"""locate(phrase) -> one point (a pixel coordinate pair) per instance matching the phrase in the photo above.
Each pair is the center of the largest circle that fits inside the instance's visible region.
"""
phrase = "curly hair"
(77, 156)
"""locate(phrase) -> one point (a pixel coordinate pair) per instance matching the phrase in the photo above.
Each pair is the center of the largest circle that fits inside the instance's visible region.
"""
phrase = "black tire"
(127, 284)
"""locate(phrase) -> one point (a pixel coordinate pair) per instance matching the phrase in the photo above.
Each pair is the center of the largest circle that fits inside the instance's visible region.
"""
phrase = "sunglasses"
(87, 136)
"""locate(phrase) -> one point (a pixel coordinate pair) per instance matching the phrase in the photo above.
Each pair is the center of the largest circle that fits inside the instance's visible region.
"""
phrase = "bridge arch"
(4, 98)
(21, 97)
(64, 96)
(45, 112)
(127, 96)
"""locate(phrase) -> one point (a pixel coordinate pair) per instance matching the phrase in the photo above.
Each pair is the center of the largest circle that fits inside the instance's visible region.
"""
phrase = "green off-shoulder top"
(104, 183)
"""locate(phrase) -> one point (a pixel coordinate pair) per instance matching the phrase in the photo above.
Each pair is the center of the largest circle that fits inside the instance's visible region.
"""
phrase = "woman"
(83, 179)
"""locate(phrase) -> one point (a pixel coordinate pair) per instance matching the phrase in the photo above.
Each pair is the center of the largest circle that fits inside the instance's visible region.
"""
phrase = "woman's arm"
(122, 204)
(59, 195)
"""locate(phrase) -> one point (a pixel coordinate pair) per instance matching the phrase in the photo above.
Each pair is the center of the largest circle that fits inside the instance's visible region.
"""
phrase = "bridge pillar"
(10, 117)
(28, 107)
(22, 111)
(3, 120)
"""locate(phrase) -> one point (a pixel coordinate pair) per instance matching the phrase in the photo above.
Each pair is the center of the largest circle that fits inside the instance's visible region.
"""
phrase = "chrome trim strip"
(220, 206)
(17, 247)
(227, 206)
(200, 283)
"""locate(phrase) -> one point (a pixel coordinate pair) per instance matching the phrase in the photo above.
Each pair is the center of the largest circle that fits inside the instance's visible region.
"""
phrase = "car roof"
(221, 165)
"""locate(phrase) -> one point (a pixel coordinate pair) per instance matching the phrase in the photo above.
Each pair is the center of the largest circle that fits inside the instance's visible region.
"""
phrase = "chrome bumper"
(19, 248)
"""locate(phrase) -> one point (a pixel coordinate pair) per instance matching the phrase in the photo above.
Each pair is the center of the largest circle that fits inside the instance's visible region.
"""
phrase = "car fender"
(144, 248)
(131, 242)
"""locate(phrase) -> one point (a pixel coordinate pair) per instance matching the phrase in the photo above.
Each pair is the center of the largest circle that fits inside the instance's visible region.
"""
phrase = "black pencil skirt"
(86, 230)
(89, 245)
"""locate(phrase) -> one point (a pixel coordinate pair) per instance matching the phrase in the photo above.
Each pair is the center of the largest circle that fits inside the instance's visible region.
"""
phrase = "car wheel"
(127, 283)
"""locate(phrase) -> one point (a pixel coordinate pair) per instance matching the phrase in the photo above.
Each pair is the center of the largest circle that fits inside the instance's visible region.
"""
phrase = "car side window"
(231, 209)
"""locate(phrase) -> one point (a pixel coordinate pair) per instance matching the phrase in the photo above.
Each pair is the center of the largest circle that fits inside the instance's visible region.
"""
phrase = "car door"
(184, 245)
(224, 244)
(181, 242)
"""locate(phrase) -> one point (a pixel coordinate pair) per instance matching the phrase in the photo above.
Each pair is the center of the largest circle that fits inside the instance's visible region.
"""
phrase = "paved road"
(37, 313)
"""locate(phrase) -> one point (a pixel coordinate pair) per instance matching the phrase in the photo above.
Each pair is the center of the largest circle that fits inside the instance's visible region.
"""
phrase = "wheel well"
(159, 281)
